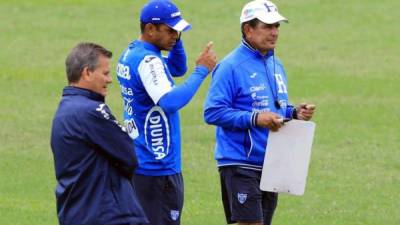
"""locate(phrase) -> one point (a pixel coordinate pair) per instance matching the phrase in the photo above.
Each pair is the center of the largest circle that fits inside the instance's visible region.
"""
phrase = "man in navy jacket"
(94, 157)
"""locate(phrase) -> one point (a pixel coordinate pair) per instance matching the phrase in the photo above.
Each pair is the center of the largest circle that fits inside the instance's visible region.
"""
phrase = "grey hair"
(81, 56)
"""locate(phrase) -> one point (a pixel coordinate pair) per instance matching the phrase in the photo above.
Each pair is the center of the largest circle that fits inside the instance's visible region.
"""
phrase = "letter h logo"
(270, 8)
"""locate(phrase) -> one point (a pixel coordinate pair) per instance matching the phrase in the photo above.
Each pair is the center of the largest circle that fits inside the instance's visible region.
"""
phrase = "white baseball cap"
(264, 10)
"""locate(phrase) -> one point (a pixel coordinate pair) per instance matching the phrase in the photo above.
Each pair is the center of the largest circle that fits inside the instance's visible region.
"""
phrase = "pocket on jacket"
(247, 143)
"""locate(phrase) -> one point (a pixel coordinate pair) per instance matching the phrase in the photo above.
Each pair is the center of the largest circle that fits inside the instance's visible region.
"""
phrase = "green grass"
(341, 55)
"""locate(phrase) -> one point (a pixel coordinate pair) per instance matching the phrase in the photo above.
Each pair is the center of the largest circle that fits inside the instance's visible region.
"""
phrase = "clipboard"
(287, 158)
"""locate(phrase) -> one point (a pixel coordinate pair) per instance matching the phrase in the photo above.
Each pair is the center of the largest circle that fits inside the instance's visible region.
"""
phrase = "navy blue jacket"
(94, 161)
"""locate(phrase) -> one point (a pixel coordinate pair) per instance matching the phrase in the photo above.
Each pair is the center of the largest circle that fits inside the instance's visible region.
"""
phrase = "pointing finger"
(209, 46)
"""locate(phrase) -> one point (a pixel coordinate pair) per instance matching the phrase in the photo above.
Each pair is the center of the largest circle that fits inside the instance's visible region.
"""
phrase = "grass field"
(341, 55)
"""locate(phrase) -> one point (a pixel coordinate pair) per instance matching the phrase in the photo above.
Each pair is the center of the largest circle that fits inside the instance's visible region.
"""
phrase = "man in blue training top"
(151, 104)
(93, 155)
(248, 98)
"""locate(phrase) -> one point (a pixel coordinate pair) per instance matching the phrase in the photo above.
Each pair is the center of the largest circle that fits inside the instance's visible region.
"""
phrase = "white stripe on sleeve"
(153, 76)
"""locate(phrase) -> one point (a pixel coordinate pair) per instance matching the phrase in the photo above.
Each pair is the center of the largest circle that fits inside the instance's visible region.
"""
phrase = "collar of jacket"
(245, 45)
(147, 46)
(71, 90)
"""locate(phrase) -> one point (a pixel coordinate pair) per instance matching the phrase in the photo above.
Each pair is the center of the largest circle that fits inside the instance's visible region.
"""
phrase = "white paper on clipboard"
(287, 158)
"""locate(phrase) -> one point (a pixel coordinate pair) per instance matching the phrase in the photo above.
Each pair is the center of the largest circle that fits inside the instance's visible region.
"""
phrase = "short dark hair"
(252, 23)
(83, 55)
(142, 26)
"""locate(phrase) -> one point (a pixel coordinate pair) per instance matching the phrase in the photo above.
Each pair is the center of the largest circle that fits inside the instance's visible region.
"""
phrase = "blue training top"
(151, 103)
(244, 84)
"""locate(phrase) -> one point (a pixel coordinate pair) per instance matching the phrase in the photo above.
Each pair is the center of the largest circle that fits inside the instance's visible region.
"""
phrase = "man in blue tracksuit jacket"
(151, 105)
(94, 157)
(248, 97)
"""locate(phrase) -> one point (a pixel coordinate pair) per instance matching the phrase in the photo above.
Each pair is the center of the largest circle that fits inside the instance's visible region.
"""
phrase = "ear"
(149, 29)
(86, 74)
(248, 31)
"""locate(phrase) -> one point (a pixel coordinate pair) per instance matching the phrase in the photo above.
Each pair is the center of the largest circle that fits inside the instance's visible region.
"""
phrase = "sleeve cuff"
(294, 114)
(290, 111)
(254, 117)
(202, 70)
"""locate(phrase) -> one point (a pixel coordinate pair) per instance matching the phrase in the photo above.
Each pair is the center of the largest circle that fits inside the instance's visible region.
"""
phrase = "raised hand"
(207, 58)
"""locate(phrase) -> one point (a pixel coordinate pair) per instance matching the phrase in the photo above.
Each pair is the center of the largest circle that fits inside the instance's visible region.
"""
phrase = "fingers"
(306, 111)
(310, 106)
(208, 58)
(269, 120)
(302, 105)
(208, 47)
(305, 116)
(276, 124)
(306, 106)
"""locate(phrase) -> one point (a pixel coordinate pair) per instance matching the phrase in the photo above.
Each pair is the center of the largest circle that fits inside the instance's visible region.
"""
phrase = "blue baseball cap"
(164, 11)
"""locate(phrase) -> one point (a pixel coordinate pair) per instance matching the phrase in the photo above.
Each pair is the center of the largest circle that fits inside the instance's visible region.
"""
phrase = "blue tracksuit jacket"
(152, 102)
(243, 84)
(94, 161)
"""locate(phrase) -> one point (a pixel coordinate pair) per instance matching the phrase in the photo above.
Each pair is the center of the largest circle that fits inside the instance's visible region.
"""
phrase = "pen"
(284, 120)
